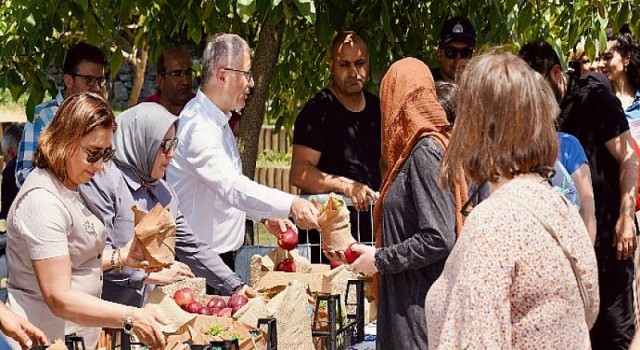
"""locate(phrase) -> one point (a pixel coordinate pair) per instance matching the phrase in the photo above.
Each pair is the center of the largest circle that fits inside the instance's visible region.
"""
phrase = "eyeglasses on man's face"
(247, 73)
(90, 80)
(451, 52)
(179, 73)
(168, 144)
(104, 154)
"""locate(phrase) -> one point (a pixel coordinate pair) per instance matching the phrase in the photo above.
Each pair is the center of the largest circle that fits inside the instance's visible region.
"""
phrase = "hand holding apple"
(365, 262)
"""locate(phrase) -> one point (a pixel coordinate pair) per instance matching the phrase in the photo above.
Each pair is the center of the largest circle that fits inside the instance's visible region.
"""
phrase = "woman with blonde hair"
(523, 272)
(56, 249)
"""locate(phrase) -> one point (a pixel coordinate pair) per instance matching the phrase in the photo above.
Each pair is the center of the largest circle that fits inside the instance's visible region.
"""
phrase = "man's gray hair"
(11, 137)
(222, 49)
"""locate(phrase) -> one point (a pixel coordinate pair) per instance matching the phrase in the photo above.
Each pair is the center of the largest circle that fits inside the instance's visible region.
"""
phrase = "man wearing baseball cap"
(457, 43)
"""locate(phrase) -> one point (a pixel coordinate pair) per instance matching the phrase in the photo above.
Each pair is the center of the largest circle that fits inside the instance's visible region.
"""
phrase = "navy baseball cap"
(458, 29)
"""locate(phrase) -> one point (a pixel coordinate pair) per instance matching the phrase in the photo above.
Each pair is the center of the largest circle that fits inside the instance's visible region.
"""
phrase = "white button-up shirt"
(206, 173)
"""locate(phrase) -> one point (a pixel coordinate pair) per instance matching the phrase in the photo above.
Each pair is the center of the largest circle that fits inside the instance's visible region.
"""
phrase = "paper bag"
(156, 231)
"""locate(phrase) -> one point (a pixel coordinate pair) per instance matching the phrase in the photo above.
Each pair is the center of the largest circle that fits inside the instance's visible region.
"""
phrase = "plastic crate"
(340, 334)
(268, 323)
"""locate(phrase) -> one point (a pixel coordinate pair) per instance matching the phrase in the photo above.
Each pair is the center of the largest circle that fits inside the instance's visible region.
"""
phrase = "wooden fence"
(275, 176)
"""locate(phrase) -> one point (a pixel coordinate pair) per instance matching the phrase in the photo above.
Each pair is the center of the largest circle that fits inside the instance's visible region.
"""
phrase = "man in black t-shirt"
(336, 139)
(594, 115)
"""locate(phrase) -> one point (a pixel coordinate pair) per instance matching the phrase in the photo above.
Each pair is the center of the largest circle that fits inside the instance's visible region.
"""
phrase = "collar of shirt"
(210, 109)
(59, 98)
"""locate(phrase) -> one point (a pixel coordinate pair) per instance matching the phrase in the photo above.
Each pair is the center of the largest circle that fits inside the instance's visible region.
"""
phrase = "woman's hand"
(366, 262)
(131, 255)
(278, 226)
(146, 326)
(246, 292)
(20, 329)
(173, 273)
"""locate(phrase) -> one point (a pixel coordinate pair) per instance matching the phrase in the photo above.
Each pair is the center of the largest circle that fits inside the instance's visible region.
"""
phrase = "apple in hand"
(194, 307)
(334, 264)
(288, 240)
(216, 303)
(350, 255)
(184, 297)
(286, 265)
(237, 301)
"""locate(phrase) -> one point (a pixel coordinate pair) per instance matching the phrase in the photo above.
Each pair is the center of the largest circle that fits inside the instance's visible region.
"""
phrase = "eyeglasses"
(94, 156)
(247, 73)
(179, 73)
(451, 52)
(168, 145)
(90, 80)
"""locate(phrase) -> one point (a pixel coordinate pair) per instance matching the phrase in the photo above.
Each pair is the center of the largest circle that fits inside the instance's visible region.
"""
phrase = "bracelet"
(120, 264)
(113, 259)
(127, 325)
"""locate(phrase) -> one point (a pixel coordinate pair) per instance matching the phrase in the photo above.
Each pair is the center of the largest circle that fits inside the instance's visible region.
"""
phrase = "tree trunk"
(140, 67)
(263, 67)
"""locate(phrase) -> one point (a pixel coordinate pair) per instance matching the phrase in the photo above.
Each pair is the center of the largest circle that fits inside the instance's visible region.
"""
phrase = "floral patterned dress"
(507, 283)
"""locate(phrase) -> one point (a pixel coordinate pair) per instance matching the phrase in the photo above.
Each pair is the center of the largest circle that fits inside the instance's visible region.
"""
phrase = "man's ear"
(67, 80)
(556, 73)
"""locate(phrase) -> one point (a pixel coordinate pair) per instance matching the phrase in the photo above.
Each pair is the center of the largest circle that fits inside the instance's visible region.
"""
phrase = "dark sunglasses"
(90, 80)
(94, 156)
(168, 145)
(451, 52)
(179, 73)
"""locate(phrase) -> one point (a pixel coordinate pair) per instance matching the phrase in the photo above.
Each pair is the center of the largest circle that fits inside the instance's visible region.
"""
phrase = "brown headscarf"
(410, 112)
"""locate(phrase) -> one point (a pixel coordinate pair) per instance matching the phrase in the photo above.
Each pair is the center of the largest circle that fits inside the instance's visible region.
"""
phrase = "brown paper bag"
(156, 231)
(335, 227)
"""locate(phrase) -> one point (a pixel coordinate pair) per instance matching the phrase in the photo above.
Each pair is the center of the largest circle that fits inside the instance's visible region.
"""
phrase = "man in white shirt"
(206, 172)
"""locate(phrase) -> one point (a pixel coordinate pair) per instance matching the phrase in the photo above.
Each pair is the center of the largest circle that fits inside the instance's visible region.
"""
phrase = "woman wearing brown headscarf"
(415, 221)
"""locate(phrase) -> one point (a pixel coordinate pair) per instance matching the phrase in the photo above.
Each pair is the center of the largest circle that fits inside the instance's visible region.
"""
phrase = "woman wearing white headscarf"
(144, 142)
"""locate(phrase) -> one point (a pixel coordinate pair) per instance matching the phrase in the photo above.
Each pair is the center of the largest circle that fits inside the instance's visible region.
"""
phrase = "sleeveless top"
(86, 237)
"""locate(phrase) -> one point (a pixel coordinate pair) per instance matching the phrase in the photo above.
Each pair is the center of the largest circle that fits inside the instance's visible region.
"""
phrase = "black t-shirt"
(594, 115)
(437, 74)
(349, 142)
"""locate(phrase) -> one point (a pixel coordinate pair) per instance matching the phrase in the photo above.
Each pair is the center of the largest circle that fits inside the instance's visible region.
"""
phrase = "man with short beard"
(594, 115)
(336, 139)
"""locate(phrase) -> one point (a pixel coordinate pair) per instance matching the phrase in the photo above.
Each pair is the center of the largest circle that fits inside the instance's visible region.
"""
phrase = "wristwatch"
(127, 325)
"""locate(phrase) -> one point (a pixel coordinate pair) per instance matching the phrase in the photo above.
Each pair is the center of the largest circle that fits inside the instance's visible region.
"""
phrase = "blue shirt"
(571, 153)
(43, 115)
(633, 111)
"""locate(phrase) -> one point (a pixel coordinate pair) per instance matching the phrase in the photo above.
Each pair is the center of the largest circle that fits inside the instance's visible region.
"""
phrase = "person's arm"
(212, 165)
(202, 260)
(20, 329)
(436, 221)
(582, 179)
(621, 149)
(306, 176)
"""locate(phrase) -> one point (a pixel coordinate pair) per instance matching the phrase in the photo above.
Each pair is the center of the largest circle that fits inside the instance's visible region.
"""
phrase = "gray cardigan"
(111, 194)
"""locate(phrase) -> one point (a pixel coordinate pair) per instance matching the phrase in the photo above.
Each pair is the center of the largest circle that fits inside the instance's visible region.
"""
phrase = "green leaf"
(307, 9)
(195, 33)
(116, 61)
(224, 7)
(84, 4)
(246, 9)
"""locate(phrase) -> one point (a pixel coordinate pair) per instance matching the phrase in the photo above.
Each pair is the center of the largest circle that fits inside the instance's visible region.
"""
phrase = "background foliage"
(35, 34)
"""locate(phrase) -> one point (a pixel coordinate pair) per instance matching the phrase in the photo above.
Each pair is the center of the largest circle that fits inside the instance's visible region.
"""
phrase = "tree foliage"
(35, 34)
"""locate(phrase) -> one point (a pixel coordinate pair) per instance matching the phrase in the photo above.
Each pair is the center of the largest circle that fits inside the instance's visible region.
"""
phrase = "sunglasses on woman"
(451, 52)
(104, 154)
(169, 144)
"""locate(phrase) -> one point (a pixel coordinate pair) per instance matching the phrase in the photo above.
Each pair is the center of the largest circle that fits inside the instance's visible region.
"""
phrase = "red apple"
(334, 264)
(237, 301)
(286, 265)
(205, 311)
(194, 307)
(216, 303)
(184, 297)
(288, 240)
(226, 312)
(215, 311)
(351, 255)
